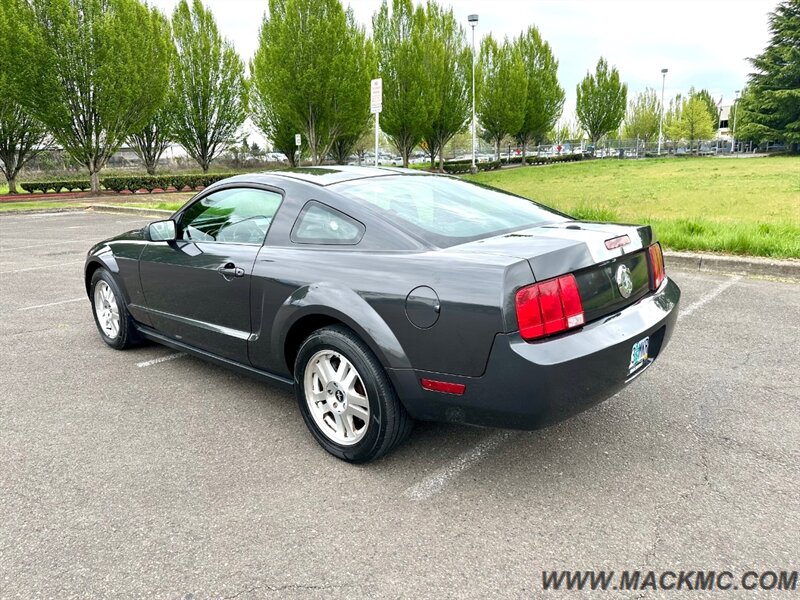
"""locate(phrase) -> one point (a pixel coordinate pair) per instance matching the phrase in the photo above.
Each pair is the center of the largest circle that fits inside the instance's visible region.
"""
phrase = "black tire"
(127, 335)
(389, 423)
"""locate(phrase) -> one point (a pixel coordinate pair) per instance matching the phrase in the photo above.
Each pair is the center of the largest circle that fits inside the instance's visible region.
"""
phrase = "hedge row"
(546, 160)
(130, 183)
(463, 166)
(134, 183)
(70, 185)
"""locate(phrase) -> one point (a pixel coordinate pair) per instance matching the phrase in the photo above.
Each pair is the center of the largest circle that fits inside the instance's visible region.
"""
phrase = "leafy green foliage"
(711, 106)
(448, 81)
(208, 83)
(774, 112)
(399, 33)
(642, 118)
(691, 121)
(545, 97)
(503, 89)
(68, 185)
(153, 139)
(601, 101)
(93, 71)
(21, 136)
(135, 183)
(464, 166)
(316, 82)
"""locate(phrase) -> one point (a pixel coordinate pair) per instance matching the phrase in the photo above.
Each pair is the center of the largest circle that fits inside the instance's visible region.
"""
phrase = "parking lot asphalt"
(123, 475)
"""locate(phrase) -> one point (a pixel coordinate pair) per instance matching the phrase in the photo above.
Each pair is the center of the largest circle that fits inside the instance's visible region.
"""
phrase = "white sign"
(376, 95)
(297, 139)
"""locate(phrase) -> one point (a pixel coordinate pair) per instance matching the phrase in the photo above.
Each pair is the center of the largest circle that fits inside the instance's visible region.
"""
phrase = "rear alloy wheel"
(336, 397)
(346, 398)
(110, 313)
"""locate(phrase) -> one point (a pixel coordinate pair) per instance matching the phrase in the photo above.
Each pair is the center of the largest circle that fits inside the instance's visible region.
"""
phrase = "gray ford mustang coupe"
(386, 295)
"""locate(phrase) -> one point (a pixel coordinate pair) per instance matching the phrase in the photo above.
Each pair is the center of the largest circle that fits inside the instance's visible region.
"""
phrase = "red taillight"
(656, 265)
(443, 386)
(549, 307)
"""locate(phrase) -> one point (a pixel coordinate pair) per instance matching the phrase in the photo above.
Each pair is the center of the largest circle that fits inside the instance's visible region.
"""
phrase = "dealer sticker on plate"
(639, 354)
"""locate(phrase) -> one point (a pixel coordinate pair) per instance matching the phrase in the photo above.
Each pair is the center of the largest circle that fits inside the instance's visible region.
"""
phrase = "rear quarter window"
(318, 223)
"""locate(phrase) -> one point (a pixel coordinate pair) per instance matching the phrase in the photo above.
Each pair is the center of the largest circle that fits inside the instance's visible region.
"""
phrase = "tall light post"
(473, 21)
(661, 120)
(733, 134)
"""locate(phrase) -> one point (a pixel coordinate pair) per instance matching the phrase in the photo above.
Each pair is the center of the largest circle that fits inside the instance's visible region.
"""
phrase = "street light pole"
(473, 21)
(661, 120)
(733, 135)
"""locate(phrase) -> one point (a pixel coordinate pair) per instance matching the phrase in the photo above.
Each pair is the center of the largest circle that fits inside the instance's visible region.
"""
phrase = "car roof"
(325, 176)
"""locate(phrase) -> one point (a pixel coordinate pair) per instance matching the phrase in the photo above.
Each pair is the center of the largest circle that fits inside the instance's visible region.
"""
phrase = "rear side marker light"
(443, 386)
(656, 265)
(549, 307)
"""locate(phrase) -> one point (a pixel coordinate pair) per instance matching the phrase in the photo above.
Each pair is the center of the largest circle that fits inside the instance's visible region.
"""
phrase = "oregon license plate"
(639, 354)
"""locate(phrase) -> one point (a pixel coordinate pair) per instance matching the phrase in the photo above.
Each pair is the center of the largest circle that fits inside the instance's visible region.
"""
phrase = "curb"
(131, 210)
(740, 265)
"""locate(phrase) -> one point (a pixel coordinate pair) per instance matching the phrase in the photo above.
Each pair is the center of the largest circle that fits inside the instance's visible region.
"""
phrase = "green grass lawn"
(740, 206)
(37, 205)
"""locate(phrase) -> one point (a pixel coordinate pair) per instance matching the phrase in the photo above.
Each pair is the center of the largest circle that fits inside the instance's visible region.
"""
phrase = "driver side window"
(236, 216)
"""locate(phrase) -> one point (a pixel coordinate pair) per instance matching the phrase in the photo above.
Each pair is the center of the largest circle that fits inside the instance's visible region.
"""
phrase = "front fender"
(101, 256)
(342, 304)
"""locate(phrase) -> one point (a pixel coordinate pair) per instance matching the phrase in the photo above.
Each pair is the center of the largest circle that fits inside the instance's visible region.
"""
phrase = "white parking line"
(53, 303)
(155, 361)
(710, 296)
(41, 267)
(433, 484)
(55, 243)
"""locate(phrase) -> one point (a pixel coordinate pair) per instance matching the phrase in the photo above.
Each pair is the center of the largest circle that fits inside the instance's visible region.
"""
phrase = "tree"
(643, 116)
(21, 136)
(92, 71)
(315, 83)
(545, 97)
(692, 122)
(398, 34)
(208, 83)
(774, 113)
(448, 64)
(601, 101)
(503, 90)
(711, 106)
(153, 139)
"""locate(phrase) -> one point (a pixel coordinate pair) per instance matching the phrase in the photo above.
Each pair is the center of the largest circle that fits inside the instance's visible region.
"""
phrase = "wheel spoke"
(357, 411)
(347, 422)
(340, 427)
(325, 370)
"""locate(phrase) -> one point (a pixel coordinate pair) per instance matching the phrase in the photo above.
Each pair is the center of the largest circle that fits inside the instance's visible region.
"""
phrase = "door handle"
(229, 271)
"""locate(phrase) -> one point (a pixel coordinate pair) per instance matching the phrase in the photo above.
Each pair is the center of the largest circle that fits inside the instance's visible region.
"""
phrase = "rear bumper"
(532, 385)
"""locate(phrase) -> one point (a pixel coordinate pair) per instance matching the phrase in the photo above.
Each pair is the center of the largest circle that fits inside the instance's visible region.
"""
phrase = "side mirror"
(162, 231)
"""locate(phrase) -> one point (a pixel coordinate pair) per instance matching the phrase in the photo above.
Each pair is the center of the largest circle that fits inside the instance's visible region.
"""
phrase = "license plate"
(639, 354)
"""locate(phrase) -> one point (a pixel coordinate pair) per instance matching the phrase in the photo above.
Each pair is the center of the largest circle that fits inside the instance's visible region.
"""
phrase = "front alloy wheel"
(106, 309)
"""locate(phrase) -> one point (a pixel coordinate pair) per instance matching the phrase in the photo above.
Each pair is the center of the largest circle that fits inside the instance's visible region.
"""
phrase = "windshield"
(445, 210)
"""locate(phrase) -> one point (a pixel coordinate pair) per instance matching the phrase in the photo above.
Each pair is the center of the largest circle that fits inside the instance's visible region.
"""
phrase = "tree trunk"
(12, 184)
(524, 147)
(94, 177)
(151, 169)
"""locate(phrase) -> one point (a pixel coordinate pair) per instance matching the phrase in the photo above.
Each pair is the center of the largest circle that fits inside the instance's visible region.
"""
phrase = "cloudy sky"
(703, 43)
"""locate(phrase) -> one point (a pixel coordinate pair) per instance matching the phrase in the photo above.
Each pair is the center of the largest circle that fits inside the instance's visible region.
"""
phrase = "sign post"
(376, 104)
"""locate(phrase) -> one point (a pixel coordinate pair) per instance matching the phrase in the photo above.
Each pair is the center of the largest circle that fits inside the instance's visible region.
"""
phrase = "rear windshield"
(445, 210)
